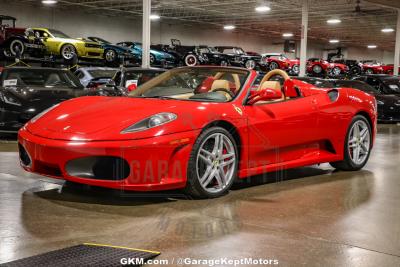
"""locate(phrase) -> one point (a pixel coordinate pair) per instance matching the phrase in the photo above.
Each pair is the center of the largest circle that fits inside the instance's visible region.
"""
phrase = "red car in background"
(371, 67)
(149, 141)
(321, 67)
(388, 69)
(281, 61)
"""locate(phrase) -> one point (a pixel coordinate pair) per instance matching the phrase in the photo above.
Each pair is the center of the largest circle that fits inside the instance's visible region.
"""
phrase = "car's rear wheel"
(213, 164)
(296, 69)
(152, 59)
(273, 66)
(357, 147)
(223, 63)
(68, 52)
(16, 46)
(355, 70)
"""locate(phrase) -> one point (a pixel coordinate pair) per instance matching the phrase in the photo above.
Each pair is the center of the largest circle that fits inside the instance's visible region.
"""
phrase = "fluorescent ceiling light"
(229, 27)
(334, 41)
(287, 34)
(154, 17)
(387, 30)
(49, 2)
(372, 46)
(263, 8)
(333, 21)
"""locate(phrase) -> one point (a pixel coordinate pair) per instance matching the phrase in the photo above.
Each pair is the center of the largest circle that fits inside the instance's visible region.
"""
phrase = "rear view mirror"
(264, 95)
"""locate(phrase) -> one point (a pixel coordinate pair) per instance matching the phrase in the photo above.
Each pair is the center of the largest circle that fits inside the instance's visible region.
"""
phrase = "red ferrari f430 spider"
(199, 129)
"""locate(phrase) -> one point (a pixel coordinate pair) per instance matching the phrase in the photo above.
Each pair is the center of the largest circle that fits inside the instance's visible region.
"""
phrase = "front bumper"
(157, 163)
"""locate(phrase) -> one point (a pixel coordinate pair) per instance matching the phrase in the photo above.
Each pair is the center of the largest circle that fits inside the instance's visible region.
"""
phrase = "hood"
(118, 48)
(103, 118)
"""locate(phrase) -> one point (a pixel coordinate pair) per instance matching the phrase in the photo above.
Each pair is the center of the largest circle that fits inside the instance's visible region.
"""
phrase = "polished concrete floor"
(310, 216)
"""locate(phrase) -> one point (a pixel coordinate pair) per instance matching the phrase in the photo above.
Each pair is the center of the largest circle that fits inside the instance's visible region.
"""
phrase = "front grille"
(99, 167)
(92, 45)
(47, 169)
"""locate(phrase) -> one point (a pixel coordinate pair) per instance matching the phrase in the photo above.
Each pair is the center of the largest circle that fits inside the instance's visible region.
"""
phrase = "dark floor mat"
(87, 254)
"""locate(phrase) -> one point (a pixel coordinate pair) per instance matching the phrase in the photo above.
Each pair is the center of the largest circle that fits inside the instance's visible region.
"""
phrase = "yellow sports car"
(58, 43)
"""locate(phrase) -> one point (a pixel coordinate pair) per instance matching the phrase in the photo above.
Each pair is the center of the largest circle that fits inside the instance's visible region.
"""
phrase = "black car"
(25, 92)
(387, 93)
(126, 80)
(238, 57)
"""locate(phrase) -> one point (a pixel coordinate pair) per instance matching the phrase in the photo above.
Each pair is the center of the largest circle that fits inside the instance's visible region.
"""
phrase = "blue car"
(157, 58)
(114, 54)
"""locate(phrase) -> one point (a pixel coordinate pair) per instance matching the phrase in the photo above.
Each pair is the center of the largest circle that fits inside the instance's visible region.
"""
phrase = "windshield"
(240, 51)
(213, 49)
(39, 77)
(139, 77)
(102, 73)
(392, 85)
(198, 84)
(58, 34)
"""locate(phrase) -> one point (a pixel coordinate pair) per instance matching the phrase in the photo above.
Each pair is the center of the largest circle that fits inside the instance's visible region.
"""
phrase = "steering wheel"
(272, 73)
(227, 93)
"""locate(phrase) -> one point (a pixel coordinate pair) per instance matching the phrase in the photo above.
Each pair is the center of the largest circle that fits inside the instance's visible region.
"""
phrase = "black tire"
(347, 164)
(68, 56)
(250, 64)
(336, 71)
(15, 45)
(223, 63)
(193, 186)
(317, 69)
(152, 59)
(110, 56)
(355, 70)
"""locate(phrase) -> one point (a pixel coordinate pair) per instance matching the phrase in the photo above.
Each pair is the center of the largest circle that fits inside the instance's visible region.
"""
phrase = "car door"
(282, 131)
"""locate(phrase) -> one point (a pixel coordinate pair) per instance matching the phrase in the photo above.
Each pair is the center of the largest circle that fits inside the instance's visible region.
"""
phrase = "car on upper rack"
(199, 129)
(14, 41)
(388, 69)
(371, 67)
(281, 61)
(93, 77)
(157, 58)
(388, 104)
(27, 91)
(321, 67)
(355, 67)
(238, 57)
(126, 80)
(115, 54)
(59, 44)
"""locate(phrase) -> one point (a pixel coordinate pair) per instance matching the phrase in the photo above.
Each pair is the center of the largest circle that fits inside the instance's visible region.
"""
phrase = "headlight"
(9, 99)
(380, 102)
(38, 116)
(150, 122)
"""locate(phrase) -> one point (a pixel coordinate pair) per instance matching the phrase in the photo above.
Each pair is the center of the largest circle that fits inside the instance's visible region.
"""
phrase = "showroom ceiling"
(362, 27)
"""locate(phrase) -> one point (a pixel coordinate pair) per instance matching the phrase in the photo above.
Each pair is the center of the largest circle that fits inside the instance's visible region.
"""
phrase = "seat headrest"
(271, 85)
(218, 84)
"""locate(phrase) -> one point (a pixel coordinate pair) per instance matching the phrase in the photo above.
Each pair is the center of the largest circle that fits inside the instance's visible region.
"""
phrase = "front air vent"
(333, 95)
(24, 156)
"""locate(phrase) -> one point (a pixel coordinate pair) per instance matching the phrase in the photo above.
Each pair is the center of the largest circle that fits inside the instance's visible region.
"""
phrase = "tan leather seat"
(221, 84)
(274, 86)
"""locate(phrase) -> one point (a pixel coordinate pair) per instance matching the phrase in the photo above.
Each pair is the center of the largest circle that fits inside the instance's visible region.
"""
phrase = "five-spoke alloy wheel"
(213, 164)
(357, 145)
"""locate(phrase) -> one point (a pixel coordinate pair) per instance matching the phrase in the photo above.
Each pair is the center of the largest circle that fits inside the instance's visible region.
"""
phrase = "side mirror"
(264, 95)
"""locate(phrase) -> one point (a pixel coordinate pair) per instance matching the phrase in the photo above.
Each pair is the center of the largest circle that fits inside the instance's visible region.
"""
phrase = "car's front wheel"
(110, 56)
(357, 147)
(191, 60)
(68, 52)
(213, 164)
(273, 65)
(317, 69)
(336, 71)
(250, 64)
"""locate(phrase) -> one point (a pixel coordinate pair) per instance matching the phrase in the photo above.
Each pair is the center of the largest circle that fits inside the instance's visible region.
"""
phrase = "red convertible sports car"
(179, 130)
(317, 66)
(280, 61)
(372, 67)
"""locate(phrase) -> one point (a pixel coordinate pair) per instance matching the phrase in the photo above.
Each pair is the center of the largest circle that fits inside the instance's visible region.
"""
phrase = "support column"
(397, 46)
(303, 43)
(146, 34)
